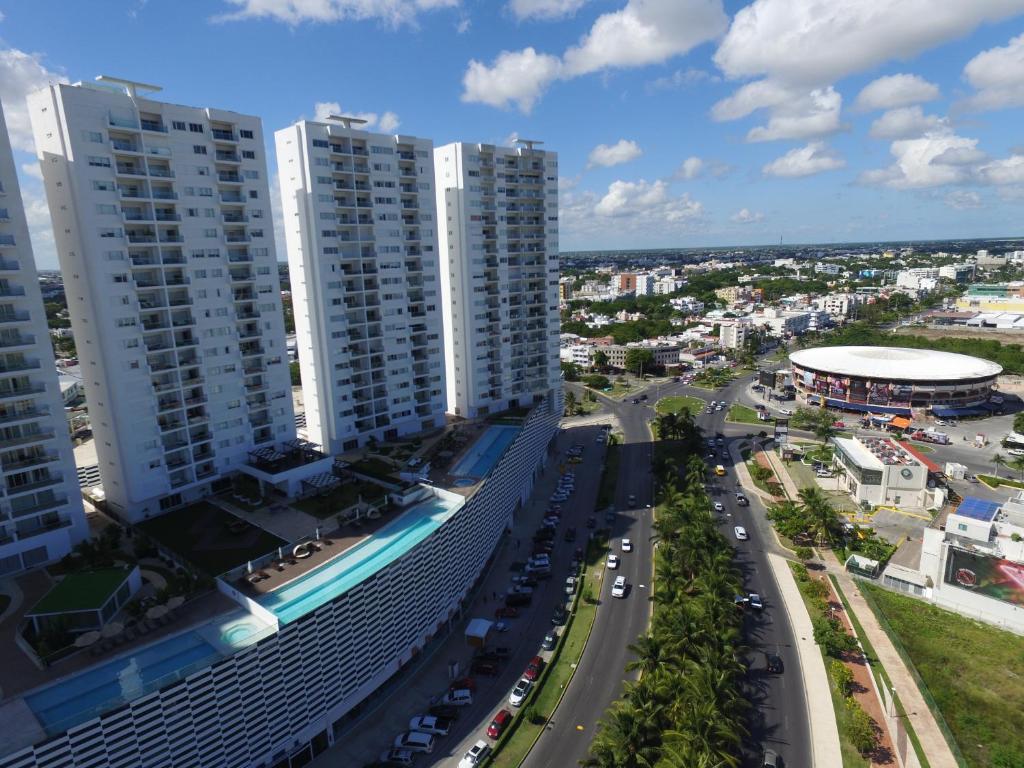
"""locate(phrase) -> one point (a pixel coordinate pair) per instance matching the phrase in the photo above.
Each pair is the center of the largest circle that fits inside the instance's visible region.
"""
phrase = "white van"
(415, 741)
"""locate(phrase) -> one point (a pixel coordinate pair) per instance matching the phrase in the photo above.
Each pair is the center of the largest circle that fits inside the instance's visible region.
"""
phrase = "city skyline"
(903, 130)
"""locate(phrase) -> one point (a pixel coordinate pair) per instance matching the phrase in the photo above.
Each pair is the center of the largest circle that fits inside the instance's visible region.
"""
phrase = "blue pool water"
(82, 696)
(317, 587)
(486, 451)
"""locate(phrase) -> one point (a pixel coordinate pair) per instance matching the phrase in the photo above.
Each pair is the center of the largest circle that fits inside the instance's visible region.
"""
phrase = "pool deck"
(18, 674)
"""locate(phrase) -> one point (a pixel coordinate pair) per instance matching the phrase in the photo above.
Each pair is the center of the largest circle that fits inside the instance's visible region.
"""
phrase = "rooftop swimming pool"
(485, 452)
(79, 697)
(309, 592)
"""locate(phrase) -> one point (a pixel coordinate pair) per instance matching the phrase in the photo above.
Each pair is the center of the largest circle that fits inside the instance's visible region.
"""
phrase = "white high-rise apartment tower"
(41, 515)
(163, 228)
(498, 233)
(360, 227)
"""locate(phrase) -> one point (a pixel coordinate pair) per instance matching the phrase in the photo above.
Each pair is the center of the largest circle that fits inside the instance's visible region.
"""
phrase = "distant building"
(734, 335)
(1004, 297)
(960, 273)
(664, 354)
(828, 268)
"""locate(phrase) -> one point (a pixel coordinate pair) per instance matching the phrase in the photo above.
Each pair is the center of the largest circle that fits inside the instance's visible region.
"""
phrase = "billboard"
(988, 576)
(766, 378)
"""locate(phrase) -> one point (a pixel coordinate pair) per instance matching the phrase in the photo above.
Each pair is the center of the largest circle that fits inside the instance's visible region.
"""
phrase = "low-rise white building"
(734, 335)
(879, 471)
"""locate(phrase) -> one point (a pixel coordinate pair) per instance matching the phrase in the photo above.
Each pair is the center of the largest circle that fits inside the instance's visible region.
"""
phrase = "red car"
(533, 669)
(499, 723)
(463, 683)
(506, 612)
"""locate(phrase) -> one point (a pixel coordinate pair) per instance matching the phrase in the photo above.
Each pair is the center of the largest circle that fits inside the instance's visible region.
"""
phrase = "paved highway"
(779, 717)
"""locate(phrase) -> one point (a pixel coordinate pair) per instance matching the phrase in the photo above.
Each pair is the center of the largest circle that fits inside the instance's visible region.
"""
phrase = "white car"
(414, 741)
(613, 562)
(740, 533)
(476, 754)
(719, 507)
(570, 585)
(460, 697)
(429, 724)
(627, 545)
(396, 757)
(785, 411)
(619, 587)
(519, 693)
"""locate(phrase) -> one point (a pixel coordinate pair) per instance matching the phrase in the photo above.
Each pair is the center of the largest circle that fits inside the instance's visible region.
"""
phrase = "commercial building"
(498, 237)
(960, 273)
(734, 335)
(877, 470)
(840, 305)
(162, 222)
(892, 379)
(269, 670)
(969, 560)
(41, 515)
(663, 353)
(1004, 297)
(360, 227)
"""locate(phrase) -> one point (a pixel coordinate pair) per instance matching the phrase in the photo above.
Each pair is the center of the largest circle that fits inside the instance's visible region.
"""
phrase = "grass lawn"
(972, 671)
(82, 591)
(200, 534)
(619, 391)
(851, 757)
(994, 482)
(741, 414)
(514, 747)
(340, 498)
(680, 403)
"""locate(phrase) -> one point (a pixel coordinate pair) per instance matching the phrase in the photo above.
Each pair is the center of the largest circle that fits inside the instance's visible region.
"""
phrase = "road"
(779, 716)
(599, 678)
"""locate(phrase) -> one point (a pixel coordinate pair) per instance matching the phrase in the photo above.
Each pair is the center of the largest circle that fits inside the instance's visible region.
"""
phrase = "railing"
(7, 240)
(154, 125)
(222, 135)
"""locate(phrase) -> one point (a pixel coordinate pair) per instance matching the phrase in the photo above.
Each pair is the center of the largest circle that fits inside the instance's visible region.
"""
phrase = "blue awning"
(945, 412)
(867, 408)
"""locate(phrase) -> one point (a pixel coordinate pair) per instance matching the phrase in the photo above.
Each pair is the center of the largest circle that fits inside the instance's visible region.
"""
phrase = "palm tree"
(822, 520)
(570, 403)
(997, 460)
(649, 651)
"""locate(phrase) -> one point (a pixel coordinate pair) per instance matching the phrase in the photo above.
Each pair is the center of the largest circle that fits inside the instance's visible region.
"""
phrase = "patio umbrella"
(86, 639)
(112, 629)
(156, 611)
(175, 602)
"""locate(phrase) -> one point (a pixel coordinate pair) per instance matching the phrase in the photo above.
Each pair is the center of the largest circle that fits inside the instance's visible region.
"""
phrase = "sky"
(678, 123)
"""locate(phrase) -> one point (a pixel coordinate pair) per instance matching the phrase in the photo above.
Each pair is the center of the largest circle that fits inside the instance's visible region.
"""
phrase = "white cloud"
(544, 9)
(383, 123)
(920, 163)
(1007, 171)
(645, 202)
(794, 113)
(515, 77)
(690, 168)
(621, 152)
(682, 78)
(746, 216)
(903, 123)
(393, 12)
(963, 199)
(816, 42)
(20, 74)
(463, 26)
(808, 160)
(644, 32)
(32, 169)
(894, 91)
(998, 77)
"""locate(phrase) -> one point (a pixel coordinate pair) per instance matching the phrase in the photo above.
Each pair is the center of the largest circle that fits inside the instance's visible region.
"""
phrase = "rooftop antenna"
(528, 143)
(131, 86)
(347, 120)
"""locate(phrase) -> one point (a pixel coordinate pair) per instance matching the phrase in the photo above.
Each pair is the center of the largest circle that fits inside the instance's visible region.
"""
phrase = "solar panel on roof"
(977, 509)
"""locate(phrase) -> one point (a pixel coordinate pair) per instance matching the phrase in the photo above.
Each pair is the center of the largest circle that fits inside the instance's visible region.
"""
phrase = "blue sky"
(677, 122)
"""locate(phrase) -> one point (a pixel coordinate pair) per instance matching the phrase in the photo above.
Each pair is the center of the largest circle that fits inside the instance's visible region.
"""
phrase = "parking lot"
(520, 594)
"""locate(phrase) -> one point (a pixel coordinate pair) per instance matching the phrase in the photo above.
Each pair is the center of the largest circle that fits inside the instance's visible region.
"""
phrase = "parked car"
(485, 668)
(627, 545)
(414, 741)
(499, 723)
(396, 757)
(520, 589)
(517, 600)
(533, 668)
(550, 641)
(570, 585)
(430, 724)
(467, 683)
(520, 692)
(740, 532)
(559, 616)
(494, 652)
(447, 711)
(619, 587)
(461, 697)
(475, 754)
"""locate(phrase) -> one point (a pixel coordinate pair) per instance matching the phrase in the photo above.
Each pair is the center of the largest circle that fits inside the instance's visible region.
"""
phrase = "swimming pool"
(79, 697)
(486, 451)
(322, 585)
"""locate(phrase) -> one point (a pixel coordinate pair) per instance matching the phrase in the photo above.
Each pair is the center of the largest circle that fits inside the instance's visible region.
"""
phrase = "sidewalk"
(920, 716)
(821, 716)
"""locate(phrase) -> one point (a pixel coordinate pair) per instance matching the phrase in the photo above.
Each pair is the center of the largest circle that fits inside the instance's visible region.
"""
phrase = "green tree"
(1018, 423)
(860, 727)
(293, 369)
(600, 360)
(1017, 463)
(639, 360)
(842, 677)
(997, 461)
(571, 406)
(596, 381)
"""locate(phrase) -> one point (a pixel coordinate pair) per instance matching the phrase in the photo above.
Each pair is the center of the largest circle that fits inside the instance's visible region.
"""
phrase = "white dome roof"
(923, 365)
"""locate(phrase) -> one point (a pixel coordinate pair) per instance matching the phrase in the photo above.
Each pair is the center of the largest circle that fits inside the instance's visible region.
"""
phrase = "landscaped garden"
(741, 414)
(340, 498)
(212, 540)
(680, 403)
(972, 672)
